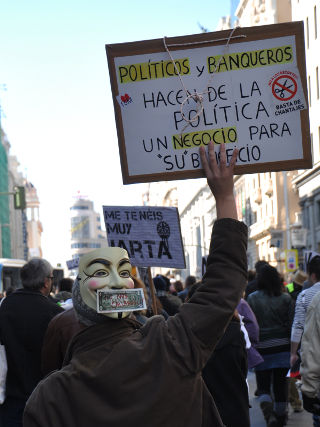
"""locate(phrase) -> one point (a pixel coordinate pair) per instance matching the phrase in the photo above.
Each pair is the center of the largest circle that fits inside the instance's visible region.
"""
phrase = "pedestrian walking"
(274, 311)
(310, 366)
(24, 317)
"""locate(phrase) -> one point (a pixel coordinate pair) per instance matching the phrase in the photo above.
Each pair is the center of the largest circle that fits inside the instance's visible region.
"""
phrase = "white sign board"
(150, 235)
(249, 95)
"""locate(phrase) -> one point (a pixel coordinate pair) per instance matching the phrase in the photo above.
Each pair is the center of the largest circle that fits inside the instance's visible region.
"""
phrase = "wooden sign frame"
(200, 40)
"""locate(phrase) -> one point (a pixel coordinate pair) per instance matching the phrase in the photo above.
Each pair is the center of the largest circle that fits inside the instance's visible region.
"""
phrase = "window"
(305, 214)
(318, 212)
(79, 208)
(309, 84)
(85, 245)
(80, 227)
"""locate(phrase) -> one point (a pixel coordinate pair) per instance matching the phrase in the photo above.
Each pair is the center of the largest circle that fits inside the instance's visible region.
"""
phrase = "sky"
(57, 110)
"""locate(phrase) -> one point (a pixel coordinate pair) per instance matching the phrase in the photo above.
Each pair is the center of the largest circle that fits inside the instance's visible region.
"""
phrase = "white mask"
(104, 269)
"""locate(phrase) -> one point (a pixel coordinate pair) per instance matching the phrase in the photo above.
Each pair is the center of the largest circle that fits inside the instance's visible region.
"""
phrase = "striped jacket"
(303, 301)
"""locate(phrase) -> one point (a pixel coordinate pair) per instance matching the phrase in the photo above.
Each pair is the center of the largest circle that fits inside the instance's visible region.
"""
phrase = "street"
(296, 419)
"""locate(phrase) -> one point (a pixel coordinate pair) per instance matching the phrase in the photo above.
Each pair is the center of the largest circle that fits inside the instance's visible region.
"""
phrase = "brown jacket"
(60, 331)
(120, 374)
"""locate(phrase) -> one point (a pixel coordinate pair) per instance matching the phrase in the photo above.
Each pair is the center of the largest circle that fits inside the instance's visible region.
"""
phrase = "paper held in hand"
(111, 301)
(244, 87)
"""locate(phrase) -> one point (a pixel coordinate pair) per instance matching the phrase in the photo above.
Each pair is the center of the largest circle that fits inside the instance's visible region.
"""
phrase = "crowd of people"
(183, 362)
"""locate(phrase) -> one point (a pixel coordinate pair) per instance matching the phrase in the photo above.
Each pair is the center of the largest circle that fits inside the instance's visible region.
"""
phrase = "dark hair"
(259, 264)
(251, 275)
(269, 281)
(178, 286)
(161, 283)
(65, 284)
(138, 284)
(34, 273)
(313, 267)
(190, 280)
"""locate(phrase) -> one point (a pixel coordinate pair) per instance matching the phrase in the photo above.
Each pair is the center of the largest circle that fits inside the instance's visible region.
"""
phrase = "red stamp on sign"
(284, 85)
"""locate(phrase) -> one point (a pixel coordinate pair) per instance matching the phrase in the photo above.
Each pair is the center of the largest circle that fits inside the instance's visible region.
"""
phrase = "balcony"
(269, 189)
(257, 197)
(261, 228)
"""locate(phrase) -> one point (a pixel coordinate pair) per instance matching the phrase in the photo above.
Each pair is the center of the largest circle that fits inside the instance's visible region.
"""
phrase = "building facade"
(86, 232)
(267, 202)
(18, 218)
(5, 238)
(307, 182)
(13, 222)
(34, 225)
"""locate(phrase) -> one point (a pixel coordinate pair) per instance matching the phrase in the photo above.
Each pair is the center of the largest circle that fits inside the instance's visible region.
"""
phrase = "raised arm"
(205, 316)
(220, 180)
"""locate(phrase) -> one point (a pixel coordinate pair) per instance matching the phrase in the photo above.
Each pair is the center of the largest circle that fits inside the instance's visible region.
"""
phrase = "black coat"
(225, 376)
(24, 317)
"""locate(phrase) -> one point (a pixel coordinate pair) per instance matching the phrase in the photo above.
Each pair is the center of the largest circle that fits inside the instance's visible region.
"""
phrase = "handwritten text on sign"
(252, 97)
(150, 235)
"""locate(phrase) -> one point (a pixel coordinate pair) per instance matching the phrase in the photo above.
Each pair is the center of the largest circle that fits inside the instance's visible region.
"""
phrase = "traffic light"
(19, 198)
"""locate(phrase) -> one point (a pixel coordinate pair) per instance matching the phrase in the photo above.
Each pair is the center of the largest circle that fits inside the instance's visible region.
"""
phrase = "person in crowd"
(24, 317)
(60, 331)
(252, 285)
(170, 303)
(64, 289)
(303, 302)
(141, 315)
(294, 288)
(250, 323)
(274, 311)
(310, 366)
(119, 373)
(63, 327)
(178, 286)
(228, 360)
(251, 275)
(190, 280)
(7, 292)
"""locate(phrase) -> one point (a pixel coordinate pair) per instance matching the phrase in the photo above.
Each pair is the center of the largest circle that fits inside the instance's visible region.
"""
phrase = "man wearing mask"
(117, 372)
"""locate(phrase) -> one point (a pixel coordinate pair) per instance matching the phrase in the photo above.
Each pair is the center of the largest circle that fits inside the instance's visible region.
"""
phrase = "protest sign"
(150, 235)
(245, 87)
(291, 260)
(73, 263)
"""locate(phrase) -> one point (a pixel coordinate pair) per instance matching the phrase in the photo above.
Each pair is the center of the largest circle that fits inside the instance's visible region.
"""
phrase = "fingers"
(204, 161)
(210, 164)
(234, 158)
(223, 160)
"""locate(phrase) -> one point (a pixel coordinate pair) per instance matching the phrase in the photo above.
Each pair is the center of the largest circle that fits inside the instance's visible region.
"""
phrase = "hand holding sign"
(220, 180)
